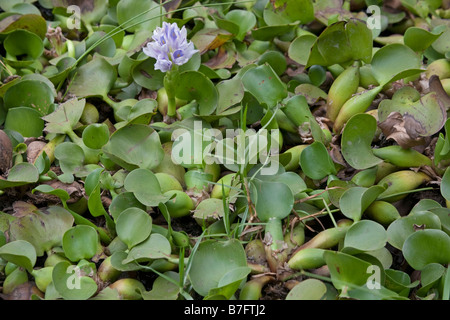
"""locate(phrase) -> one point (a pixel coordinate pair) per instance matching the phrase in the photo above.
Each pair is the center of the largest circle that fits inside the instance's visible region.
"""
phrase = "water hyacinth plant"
(171, 49)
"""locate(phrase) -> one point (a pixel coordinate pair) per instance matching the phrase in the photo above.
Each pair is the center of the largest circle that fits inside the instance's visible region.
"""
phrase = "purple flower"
(169, 47)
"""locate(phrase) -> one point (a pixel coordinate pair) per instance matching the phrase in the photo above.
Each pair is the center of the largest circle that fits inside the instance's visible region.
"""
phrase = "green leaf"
(19, 252)
(282, 12)
(133, 226)
(445, 184)
(214, 259)
(145, 75)
(163, 289)
(300, 48)
(22, 43)
(309, 289)
(80, 242)
(399, 230)
(394, 62)
(71, 282)
(156, 246)
(194, 85)
(315, 161)
(134, 146)
(272, 199)
(96, 135)
(30, 22)
(245, 20)
(342, 42)
(123, 201)
(427, 246)
(346, 270)
(356, 142)
(25, 120)
(21, 174)
(419, 39)
(128, 9)
(39, 96)
(354, 201)
(65, 117)
(364, 235)
(43, 228)
(93, 79)
(265, 85)
(145, 187)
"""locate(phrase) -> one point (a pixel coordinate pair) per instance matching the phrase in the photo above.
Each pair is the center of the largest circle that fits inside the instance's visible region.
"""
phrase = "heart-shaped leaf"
(265, 85)
(73, 282)
(356, 142)
(80, 242)
(315, 161)
(427, 246)
(193, 85)
(145, 187)
(134, 146)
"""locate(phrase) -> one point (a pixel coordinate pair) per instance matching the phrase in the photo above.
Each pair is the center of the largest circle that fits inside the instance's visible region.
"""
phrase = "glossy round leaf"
(193, 85)
(364, 235)
(26, 121)
(80, 242)
(24, 43)
(212, 260)
(96, 135)
(71, 283)
(133, 226)
(265, 85)
(427, 246)
(32, 94)
(315, 161)
(145, 187)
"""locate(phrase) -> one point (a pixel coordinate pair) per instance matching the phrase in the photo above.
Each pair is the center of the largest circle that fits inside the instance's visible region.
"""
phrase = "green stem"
(169, 85)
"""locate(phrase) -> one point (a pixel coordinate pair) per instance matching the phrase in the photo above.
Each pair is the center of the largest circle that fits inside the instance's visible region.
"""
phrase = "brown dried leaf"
(404, 130)
(6, 152)
(23, 292)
